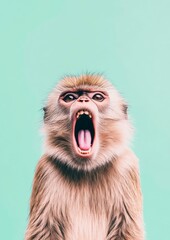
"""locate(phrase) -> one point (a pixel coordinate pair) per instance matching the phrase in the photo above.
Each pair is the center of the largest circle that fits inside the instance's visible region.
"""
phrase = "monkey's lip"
(83, 132)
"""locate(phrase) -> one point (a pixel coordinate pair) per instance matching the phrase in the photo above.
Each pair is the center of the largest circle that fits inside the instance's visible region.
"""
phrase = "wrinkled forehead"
(85, 82)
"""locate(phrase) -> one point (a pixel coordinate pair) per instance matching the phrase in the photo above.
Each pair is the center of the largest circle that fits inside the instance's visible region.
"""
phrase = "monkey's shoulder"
(127, 162)
(42, 163)
(44, 167)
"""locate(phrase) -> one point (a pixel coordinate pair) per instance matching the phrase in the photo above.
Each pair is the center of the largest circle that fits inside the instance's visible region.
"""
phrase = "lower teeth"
(84, 151)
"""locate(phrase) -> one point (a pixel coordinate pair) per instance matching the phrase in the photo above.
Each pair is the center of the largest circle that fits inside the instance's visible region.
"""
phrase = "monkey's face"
(83, 107)
(86, 123)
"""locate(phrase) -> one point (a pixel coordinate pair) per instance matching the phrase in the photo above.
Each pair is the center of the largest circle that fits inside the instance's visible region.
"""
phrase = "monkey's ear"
(125, 109)
(45, 113)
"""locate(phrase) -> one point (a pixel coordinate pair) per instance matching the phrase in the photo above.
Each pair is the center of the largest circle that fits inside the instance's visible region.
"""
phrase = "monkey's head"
(85, 122)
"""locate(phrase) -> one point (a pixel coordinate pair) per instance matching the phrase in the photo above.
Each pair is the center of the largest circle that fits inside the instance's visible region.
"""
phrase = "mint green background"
(127, 40)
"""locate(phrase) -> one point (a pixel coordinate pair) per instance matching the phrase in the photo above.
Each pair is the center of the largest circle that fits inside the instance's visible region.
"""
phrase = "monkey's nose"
(83, 99)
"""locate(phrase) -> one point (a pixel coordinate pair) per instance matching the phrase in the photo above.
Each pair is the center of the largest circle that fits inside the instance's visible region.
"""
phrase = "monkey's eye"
(69, 97)
(98, 97)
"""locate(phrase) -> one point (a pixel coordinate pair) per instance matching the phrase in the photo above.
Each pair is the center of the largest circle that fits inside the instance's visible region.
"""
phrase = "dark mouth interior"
(84, 122)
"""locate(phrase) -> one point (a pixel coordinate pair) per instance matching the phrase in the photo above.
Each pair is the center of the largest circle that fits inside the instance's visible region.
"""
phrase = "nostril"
(83, 99)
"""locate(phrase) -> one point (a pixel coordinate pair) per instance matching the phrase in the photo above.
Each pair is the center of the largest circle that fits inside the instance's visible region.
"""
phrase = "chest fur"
(83, 209)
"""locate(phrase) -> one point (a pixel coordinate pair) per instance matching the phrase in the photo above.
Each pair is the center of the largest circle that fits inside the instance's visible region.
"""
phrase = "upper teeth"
(81, 112)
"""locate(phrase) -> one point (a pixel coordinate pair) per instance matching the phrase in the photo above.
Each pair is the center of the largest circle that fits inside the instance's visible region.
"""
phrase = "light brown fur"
(99, 199)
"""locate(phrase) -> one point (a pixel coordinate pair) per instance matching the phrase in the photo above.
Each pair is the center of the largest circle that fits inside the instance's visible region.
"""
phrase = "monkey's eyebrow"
(81, 91)
(67, 92)
(99, 91)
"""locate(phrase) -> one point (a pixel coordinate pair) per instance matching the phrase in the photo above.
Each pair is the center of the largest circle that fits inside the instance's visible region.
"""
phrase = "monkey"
(87, 182)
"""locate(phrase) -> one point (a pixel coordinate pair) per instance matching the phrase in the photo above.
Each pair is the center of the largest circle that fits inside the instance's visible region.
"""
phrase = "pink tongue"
(84, 139)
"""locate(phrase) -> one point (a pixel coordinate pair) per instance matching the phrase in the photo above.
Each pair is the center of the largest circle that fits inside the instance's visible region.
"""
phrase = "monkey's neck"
(78, 176)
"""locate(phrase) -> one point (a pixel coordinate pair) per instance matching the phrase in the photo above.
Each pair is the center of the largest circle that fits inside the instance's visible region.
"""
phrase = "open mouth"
(84, 132)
